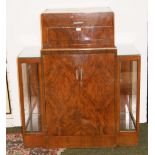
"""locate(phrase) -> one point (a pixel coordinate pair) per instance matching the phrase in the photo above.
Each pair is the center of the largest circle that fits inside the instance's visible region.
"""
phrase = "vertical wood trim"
(21, 95)
(115, 92)
(44, 102)
(138, 92)
(43, 31)
(118, 94)
(42, 105)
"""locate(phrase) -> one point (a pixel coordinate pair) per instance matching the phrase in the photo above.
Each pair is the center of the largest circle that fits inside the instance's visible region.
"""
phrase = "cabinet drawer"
(60, 34)
(106, 34)
(79, 36)
(60, 30)
(72, 19)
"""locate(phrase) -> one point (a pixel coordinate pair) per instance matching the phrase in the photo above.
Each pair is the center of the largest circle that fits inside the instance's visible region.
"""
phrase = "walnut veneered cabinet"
(79, 90)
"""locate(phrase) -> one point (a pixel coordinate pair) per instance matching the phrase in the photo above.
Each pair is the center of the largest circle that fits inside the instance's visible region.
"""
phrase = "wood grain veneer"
(80, 82)
(77, 30)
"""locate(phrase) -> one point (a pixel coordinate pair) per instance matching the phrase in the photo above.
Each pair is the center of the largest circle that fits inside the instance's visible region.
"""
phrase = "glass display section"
(31, 95)
(128, 95)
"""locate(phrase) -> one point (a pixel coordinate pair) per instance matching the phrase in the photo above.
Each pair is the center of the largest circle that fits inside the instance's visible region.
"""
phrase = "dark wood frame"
(32, 139)
(128, 137)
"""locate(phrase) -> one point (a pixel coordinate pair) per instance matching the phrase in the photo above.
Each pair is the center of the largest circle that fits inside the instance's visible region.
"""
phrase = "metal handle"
(81, 74)
(78, 22)
(77, 76)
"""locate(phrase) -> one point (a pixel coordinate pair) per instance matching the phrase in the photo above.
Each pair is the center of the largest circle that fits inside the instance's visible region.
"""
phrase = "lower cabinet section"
(80, 100)
(127, 139)
(35, 140)
(79, 94)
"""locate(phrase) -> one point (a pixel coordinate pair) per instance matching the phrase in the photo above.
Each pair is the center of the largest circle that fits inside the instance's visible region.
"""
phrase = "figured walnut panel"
(61, 94)
(74, 108)
(81, 141)
(87, 36)
(70, 19)
(65, 30)
(97, 94)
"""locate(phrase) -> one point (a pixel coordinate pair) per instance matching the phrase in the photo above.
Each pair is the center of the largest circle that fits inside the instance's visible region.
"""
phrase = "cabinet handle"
(79, 22)
(77, 75)
(81, 76)
(81, 73)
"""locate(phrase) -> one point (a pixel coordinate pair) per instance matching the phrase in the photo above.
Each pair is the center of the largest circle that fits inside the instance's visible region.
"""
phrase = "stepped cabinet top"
(79, 10)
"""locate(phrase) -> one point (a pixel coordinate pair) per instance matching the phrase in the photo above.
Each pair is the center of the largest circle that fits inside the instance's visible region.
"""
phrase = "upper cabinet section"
(77, 28)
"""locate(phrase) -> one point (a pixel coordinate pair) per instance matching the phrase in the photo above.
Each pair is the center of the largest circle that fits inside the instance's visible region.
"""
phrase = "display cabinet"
(31, 94)
(79, 90)
(128, 94)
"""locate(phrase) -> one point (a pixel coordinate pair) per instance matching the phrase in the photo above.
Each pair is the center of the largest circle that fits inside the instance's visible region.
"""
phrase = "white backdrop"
(23, 29)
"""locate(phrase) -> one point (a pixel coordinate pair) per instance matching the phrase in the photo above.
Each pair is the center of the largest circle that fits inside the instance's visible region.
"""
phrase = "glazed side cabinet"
(79, 89)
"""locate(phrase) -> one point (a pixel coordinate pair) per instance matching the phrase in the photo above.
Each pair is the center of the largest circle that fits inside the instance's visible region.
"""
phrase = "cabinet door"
(61, 93)
(97, 93)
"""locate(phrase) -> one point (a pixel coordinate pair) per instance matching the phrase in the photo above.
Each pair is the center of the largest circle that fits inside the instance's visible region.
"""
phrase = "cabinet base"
(40, 140)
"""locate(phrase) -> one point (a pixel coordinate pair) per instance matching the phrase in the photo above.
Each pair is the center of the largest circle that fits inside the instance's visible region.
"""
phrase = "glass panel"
(128, 95)
(30, 79)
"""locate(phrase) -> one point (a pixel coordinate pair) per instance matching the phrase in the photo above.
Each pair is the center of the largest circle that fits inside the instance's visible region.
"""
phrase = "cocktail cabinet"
(79, 89)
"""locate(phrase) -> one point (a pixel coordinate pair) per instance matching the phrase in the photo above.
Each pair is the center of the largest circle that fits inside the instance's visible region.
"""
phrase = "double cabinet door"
(79, 94)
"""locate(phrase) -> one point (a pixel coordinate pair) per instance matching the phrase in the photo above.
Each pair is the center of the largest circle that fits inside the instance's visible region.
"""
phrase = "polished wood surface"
(97, 86)
(77, 30)
(82, 92)
(61, 92)
(90, 83)
(81, 141)
(68, 94)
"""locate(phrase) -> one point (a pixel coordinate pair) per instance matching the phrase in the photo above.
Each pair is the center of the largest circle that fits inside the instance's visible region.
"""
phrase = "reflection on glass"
(31, 97)
(128, 95)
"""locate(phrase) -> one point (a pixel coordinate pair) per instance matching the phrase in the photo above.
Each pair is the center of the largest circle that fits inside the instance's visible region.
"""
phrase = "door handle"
(78, 22)
(81, 74)
(81, 77)
(77, 74)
